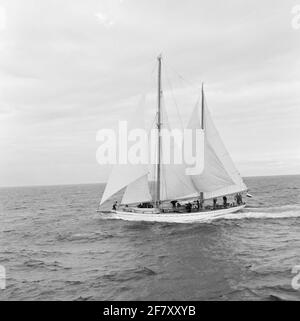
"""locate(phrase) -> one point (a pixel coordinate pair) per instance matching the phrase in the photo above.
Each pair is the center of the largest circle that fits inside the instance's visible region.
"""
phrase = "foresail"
(123, 175)
(214, 175)
(137, 191)
(221, 152)
(219, 174)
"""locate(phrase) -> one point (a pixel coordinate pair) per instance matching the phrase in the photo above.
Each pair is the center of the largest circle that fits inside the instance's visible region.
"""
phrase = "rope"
(192, 84)
(173, 96)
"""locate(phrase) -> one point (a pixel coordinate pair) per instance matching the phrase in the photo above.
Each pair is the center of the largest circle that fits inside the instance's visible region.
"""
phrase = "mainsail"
(175, 184)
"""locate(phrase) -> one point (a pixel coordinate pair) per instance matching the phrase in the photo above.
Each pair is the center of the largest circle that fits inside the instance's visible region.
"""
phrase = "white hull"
(174, 217)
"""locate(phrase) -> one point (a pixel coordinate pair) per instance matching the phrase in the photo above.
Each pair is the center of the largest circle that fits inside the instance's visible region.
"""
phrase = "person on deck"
(174, 203)
(241, 198)
(224, 201)
(202, 204)
(115, 205)
(189, 207)
(215, 203)
(238, 198)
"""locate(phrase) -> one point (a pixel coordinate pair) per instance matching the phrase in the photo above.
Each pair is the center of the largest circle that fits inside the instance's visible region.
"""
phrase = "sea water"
(55, 246)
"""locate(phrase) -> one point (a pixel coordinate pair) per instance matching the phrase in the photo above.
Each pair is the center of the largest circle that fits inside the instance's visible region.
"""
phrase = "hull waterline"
(174, 217)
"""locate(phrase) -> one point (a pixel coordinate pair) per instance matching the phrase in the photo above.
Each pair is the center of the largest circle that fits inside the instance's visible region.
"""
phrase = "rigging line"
(165, 183)
(152, 172)
(154, 68)
(149, 88)
(153, 185)
(193, 84)
(152, 168)
(173, 96)
(151, 127)
(165, 121)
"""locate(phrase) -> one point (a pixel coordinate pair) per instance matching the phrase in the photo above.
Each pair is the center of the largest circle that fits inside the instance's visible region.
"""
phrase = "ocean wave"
(274, 208)
(20, 208)
(129, 274)
(83, 237)
(84, 298)
(261, 215)
(36, 264)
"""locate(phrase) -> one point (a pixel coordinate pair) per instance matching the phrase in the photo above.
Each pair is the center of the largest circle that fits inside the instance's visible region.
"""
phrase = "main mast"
(158, 133)
(202, 127)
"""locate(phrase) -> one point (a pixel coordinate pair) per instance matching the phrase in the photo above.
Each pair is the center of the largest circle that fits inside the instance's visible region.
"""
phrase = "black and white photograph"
(149, 152)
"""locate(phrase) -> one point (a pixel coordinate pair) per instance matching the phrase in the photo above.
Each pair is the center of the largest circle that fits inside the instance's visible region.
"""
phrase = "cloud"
(105, 20)
(69, 68)
(110, 13)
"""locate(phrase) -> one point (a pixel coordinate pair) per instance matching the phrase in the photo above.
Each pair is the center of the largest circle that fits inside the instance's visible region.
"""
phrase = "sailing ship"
(178, 197)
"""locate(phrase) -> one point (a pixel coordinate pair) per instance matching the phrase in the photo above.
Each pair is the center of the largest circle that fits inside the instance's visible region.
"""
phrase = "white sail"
(138, 191)
(175, 184)
(123, 175)
(219, 176)
(221, 152)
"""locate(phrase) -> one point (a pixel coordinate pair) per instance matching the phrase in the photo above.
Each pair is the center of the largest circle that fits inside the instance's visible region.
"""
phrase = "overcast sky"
(71, 67)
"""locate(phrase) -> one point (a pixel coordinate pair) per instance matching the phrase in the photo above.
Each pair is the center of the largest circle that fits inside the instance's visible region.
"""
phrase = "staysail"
(219, 177)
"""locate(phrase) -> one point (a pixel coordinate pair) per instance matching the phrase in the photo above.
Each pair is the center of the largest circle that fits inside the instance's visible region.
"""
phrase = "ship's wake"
(276, 212)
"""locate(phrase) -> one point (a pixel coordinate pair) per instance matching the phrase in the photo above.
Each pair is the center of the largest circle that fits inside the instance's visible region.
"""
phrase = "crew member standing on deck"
(215, 203)
(174, 203)
(115, 205)
(224, 201)
(241, 198)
